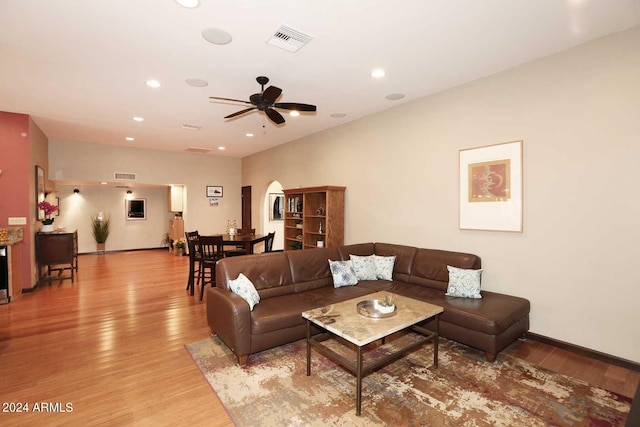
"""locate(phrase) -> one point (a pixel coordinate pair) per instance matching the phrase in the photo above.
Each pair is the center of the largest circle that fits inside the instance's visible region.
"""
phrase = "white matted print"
(491, 187)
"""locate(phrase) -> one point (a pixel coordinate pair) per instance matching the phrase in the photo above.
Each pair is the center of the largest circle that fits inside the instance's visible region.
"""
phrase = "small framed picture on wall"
(214, 191)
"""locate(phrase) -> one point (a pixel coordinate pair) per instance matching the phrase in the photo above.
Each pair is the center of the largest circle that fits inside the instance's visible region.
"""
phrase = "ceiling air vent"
(197, 150)
(289, 39)
(124, 176)
(187, 126)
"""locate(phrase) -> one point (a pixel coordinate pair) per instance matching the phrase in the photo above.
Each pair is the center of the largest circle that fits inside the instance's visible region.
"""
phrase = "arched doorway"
(273, 218)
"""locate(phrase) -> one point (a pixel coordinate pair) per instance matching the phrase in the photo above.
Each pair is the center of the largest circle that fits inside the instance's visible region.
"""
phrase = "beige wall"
(577, 113)
(70, 161)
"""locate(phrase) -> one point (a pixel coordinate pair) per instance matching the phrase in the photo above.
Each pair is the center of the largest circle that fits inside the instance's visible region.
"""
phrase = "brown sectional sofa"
(294, 281)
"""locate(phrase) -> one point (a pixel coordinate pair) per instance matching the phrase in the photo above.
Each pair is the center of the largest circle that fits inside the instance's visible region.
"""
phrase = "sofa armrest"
(229, 317)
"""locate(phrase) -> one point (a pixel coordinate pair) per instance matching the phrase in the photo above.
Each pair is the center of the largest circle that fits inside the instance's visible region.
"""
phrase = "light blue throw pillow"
(364, 266)
(343, 274)
(464, 283)
(243, 287)
(384, 266)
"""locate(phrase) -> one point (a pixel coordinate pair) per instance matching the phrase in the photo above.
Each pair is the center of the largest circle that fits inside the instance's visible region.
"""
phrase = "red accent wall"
(14, 181)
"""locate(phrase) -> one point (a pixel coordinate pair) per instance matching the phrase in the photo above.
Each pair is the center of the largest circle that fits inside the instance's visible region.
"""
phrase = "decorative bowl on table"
(376, 309)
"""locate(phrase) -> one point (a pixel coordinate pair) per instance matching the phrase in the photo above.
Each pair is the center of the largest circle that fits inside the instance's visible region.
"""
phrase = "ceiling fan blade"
(274, 116)
(295, 106)
(237, 113)
(229, 99)
(271, 93)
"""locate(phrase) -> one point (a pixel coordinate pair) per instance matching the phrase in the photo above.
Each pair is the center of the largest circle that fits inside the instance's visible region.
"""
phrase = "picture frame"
(40, 196)
(276, 207)
(214, 191)
(135, 209)
(491, 187)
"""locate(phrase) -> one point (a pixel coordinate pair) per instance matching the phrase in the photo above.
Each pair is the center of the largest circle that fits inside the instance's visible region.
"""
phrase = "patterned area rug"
(273, 389)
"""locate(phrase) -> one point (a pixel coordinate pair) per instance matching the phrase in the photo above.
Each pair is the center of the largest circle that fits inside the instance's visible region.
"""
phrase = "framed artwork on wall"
(276, 207)
(214, 191)
(135, 209)
(491, 187)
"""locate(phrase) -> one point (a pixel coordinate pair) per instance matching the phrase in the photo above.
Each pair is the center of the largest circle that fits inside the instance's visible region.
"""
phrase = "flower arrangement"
(48, 209)
(180, 243)
(385, 305)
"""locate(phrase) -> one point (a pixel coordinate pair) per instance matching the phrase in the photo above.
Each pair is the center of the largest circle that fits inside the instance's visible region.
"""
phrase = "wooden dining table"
(248, 241)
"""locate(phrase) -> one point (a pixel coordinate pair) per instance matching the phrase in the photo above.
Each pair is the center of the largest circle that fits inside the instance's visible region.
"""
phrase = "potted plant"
(167, 241)
(179, 246)
(47, 222)
(101, 226)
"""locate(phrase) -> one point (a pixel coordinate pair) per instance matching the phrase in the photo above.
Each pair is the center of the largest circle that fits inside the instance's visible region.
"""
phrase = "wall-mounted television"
(136, 209)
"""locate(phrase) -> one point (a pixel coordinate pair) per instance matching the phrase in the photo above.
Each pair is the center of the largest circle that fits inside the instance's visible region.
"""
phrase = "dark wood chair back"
(210, 247)
(268, 244)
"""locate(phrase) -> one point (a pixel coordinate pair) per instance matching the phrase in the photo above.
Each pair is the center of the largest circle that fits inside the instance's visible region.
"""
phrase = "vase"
(47, 228)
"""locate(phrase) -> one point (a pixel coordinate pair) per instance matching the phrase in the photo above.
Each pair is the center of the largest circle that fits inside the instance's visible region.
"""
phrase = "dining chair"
(211, 251)
(195, 259)
(268, 244)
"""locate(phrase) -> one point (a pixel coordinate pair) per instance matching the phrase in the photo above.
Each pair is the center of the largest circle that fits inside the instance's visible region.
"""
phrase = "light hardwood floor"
(112, 345)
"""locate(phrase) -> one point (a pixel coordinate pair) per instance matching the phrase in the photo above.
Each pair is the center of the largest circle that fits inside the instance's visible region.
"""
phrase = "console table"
(57, 251)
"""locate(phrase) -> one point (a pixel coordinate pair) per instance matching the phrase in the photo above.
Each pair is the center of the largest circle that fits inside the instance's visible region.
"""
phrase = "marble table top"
(343, 318)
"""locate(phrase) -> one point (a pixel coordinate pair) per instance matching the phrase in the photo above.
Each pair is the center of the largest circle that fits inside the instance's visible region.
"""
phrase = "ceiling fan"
(266, 101)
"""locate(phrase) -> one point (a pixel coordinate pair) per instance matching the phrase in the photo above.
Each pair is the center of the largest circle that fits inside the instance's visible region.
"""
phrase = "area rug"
(273, 389)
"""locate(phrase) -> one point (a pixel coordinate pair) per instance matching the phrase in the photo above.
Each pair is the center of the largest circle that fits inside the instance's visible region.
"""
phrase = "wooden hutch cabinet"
(57, 251)
(314, 216)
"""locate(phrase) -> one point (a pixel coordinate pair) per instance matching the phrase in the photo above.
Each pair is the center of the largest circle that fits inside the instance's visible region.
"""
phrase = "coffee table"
(343, 320)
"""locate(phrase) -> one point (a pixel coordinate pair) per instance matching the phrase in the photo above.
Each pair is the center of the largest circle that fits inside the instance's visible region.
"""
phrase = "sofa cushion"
(464, 283)
(245, 289)
(285, 311)
(343, 273)
(362, 249)
(493, 314)
(430, 267)
(310, 269)
(269, 273)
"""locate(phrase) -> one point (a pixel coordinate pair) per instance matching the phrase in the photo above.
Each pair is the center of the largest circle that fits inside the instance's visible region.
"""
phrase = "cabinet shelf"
(304, 206)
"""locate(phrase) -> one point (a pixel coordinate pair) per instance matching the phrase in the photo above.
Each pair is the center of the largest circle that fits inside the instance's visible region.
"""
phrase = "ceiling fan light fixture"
(294, 113)
(216, 36)
(197, 82)
(189, 4)
(395, 96)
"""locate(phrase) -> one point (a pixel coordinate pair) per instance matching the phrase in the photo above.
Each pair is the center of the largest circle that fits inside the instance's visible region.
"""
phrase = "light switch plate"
(19, 220)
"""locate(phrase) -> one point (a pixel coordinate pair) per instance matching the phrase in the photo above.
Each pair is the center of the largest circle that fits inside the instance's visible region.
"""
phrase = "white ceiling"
(79, 67)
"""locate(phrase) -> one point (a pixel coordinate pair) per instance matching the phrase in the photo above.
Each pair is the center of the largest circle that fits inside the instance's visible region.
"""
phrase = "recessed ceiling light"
(294, 113)
(338, 115)
(221, 148)
(197, 82)
(138, 119)
(130, 138)
(216, 36)
(249, 135)
(378, 73)
(395, 96)
(189, 4)
(153, 83)
(103, 183)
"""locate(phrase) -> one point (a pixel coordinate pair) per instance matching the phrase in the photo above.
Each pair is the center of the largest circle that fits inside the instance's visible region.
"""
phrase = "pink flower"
(47, 207)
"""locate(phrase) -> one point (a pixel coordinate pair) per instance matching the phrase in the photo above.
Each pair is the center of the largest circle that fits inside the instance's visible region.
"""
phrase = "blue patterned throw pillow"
(243, 287)
(384, 266)
(343, 274)
(464, 283)
(365, 267)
